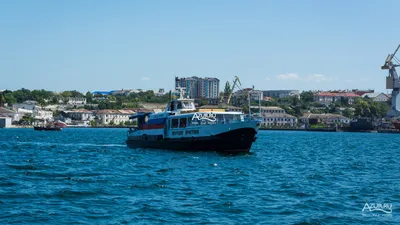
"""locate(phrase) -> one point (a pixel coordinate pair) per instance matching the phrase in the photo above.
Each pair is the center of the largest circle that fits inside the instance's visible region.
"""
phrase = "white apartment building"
(278, 119)
(29, 105)
(80, 114)
(280, 93)
(76, 101)
(107, 116)
(41, 114)
(275, 116)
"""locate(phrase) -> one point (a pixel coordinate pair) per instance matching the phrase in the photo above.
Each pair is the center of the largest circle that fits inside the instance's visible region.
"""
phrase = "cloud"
(288, 76)
(267, 78)
(144, 78)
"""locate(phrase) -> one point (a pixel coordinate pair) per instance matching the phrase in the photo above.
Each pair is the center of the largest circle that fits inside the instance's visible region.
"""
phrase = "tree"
(9, 98)
(245, 109)
(93, 123)
(307, 96)
(348, 113)
(2, 99)
(227, 89)
(89, 97)
(362, 109)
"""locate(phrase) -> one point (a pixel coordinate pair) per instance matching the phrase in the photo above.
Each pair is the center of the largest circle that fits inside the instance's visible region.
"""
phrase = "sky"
(89, 45)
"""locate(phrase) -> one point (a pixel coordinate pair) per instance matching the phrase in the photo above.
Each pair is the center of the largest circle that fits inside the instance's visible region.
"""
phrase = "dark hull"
(239, 140)
(48, 128)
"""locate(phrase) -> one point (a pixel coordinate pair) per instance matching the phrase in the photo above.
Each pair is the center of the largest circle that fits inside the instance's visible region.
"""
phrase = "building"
(107, 116)
(30, 105)
(327, 98)
(270, 109)
(72, 101)
(79, 114)
(279, 119)
(362, 92)
(40, 114)
(160, 93)
(76, 101)
(9, 114)
(5, 122)
(240, 97)
(197, 87)
(377, 97)
(275, 116)
(327, 118)
(280, 93)
(102, 92)
(254, 94)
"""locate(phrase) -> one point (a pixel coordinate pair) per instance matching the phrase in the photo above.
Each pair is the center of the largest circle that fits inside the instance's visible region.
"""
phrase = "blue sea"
(89, 176)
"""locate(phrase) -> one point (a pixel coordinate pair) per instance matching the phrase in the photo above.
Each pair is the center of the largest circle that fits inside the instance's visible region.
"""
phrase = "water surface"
(89, 176)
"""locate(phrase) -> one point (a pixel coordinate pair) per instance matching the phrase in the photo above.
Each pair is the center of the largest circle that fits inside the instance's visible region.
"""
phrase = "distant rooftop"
(102, 92)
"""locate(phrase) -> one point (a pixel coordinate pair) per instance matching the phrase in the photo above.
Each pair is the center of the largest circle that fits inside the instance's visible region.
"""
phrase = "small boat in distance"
(182, 127)
(48, 127)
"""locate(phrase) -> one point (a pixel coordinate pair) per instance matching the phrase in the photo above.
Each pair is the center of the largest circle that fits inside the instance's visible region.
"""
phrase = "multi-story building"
(107, 116)
(79, 114)
(280, 93)
(275, 116)
(76, 101)
(197, 87)
(377, 97)
(240, 98)
(327, 98)
(40, 114)
(29, 105)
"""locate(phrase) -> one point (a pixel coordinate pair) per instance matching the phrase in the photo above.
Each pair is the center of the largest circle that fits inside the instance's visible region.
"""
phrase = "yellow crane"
(228, 95)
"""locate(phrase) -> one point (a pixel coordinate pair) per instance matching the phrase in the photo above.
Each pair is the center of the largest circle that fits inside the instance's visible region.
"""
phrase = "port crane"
(236, 84)
(393, 82)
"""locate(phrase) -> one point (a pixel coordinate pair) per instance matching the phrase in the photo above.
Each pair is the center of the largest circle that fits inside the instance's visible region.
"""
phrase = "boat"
(61, 124)
(48, 127)
(182, 127)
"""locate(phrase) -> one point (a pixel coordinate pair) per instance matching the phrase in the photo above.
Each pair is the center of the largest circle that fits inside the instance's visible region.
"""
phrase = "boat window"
(220, 118)
(179, 105)
(182, 122)
(174, 123)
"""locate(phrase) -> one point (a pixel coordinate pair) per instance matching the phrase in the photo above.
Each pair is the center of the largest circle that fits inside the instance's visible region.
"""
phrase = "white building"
(107, 116)
(275, 116)
(280, 93)
(278, 119)
(76, 101)
(254, 94)
(30, 105)
(9, 113)
(80, 114)
(377, 97)
(41, 114)
(327, 98)
(5, 122)
(269, 109)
